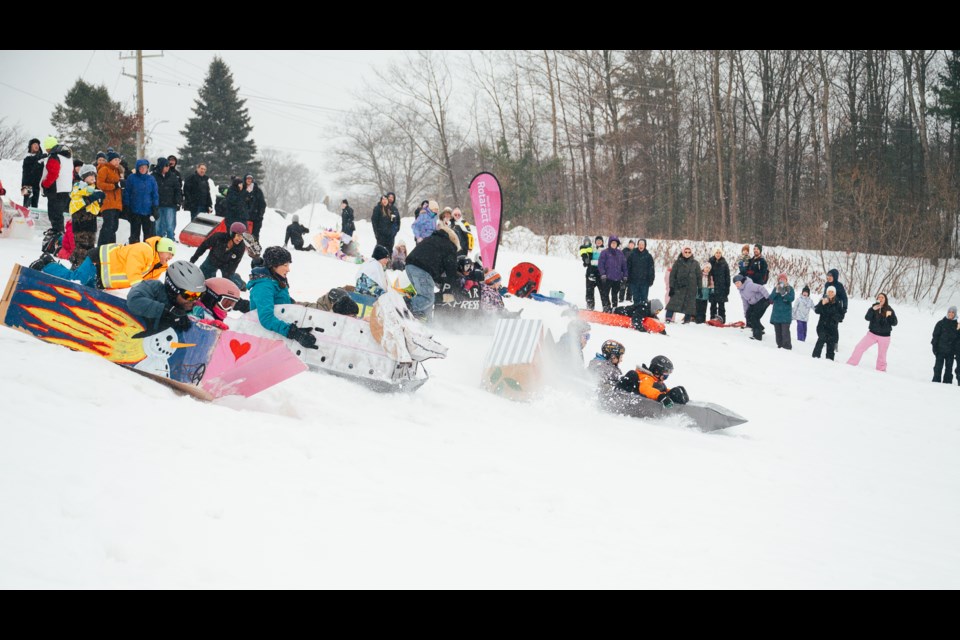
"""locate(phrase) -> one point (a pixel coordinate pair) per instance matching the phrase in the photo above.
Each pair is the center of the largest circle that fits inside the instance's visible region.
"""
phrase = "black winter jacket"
(383, 227)
(946, 338)
(169, 189)
(255, 202)
(196, 193)
(226, 259)
(720, 271)
(641, 268)
(831, 315)
(758, 271)
(881, 325)
(437, 256)
(235, 207)
(346, 221)
(295, 232)
(32, 171)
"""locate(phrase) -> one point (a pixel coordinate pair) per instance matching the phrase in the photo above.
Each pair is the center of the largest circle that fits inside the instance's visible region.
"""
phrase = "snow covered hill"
(842, 478)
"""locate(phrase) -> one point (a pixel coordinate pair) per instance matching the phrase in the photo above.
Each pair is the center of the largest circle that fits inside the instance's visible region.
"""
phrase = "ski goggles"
(227, 302)
(190, 296)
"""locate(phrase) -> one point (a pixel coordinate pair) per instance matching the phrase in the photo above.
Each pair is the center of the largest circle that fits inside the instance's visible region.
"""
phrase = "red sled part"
(204, 226)
(717, 323)
(524, 280)
(609, 319)
(652, 325)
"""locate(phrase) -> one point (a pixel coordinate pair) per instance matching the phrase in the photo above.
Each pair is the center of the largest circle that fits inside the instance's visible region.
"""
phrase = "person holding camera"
(882, 320)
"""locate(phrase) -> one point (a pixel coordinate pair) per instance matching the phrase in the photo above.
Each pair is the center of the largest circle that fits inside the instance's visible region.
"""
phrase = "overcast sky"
(293, 96)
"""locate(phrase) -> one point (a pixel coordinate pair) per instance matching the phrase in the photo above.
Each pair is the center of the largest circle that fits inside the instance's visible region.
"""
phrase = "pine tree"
(88, 121)
(219, 132)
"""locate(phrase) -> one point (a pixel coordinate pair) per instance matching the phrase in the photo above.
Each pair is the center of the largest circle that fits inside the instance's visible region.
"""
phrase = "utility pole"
(141, 137)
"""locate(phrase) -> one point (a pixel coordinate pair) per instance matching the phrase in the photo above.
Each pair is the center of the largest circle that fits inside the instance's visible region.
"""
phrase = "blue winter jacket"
(265, 294)
(425, 224)
(782, 306)
(141, 194)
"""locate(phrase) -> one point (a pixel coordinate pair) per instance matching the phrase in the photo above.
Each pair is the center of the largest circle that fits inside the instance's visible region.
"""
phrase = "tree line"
(844, 149)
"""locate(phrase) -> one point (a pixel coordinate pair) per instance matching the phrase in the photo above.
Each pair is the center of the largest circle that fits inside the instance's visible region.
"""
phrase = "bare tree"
(287, 184)
(13, 140)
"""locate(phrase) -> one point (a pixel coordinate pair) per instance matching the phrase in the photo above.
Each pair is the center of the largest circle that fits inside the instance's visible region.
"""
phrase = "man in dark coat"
(720, 271)
(384, 227)
(433, 262)
(171, 197)
(946, 343)
(294, 235)
(347, 225)
(757, 269)
(256, 204)
(32, 170)
(235, 205)
(684, 282)
(196, 192)
(641, 271)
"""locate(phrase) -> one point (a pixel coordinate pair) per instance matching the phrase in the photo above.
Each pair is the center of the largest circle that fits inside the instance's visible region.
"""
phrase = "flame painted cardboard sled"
(203, 361)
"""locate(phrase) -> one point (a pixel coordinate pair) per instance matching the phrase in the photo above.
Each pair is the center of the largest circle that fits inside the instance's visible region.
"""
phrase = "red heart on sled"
(239, 348)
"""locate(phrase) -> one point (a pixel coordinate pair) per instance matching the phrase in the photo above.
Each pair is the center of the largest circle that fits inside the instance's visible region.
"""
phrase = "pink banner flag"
(487, 207)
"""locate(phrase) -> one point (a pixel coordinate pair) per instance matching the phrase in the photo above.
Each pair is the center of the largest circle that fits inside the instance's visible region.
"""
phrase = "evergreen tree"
(219, 133)
(88, 121)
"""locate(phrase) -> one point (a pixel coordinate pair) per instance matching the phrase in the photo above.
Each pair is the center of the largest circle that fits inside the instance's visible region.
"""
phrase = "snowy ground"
(842, 478)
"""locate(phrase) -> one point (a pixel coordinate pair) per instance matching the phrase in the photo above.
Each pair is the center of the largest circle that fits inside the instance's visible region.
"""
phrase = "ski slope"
(842, 478)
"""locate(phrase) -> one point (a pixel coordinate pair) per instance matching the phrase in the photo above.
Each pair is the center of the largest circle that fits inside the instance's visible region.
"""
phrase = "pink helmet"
(220, 296)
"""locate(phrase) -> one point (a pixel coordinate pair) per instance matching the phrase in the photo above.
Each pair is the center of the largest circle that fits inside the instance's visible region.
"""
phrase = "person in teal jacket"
(269, 287)
(782, 297)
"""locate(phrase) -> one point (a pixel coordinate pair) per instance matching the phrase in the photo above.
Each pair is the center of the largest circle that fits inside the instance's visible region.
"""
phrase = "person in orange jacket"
(648, 381)
(113, 266)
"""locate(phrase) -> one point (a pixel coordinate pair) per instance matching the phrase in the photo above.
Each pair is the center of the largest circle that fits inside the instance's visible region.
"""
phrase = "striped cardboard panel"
(515, 342)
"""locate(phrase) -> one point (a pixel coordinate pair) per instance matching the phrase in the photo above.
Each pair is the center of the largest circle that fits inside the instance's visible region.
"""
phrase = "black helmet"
(612, 348)
(463, 262)
(661, 366)
(276, 256)
(184, 278)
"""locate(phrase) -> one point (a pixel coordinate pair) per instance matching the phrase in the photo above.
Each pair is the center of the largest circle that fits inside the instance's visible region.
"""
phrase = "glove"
(121, 183)
(659, 386)
(214, 323)
(154, 213)
(242, 306)
(176, 317)
(99, 196)
(679, 395)
(304, 336)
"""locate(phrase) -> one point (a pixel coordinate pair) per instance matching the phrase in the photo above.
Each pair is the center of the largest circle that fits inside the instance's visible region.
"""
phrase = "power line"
(28, 93)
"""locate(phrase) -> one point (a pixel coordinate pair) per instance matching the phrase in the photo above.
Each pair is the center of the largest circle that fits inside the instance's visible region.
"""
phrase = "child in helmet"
(605, 366)
(648, 381)
(85, 201)
(221, 297)
(168, 304)
(469, 278)
(269, 287)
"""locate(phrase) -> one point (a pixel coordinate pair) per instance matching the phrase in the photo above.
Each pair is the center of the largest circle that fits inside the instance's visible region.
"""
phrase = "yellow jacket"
(80, 190)
(122, 266)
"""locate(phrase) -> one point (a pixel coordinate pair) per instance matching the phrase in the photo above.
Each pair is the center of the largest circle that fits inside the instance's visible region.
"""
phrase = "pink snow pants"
(882, 342)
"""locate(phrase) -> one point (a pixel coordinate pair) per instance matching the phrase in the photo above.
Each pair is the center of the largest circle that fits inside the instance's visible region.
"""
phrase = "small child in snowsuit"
(703, 293)
(801, 313)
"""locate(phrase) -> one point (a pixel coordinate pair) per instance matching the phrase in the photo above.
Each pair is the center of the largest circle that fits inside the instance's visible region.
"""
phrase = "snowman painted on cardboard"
(159, 347)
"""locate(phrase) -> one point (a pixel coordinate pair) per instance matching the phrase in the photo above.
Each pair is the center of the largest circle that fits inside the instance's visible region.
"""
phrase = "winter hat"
(433, 206)
(806, 290)
(447, 210)
(952, 310)
(643, 240)
(738, 278)
(238, 227)
(112, 155)
(834, 289)
(77, 162)
(656, 306)
(718, 249)
(759, 246)
(276, 256)
(706, 267)
(493, 278)
(782, 276)
(614, 239)
(87, 170)
(49, 143)
(600, 238)
(32, 140)
(101, 154)
(165, 245)
(295, 218)
(380, 252)
(169, 158)
(161, 163)
(249, 175)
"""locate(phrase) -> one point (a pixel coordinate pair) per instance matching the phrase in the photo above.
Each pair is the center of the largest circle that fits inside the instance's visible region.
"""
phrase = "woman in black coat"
(640, 271)
(946, 343)
(828, 327)
(720, 271)
(383, 224)
(684, 282)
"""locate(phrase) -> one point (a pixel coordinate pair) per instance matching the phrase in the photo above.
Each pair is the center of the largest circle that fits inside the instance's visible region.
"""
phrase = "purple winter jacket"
(613, 264)
(752, 293)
